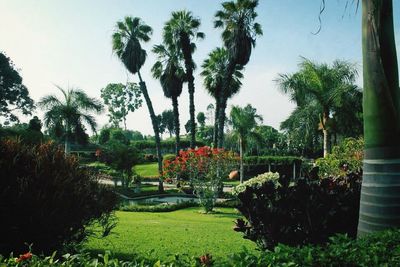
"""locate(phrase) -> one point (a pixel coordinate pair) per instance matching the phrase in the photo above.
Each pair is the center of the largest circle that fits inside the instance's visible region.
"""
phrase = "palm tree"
(181, 30)
(244, 122)
(380, 201)
(328, 86)
(126, 44)
(71, 112)
(171, 75)
(214, 73)
(239, 36)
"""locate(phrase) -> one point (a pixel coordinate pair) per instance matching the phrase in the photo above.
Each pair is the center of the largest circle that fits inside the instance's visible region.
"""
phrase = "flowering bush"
(257, 182)
(205, 168)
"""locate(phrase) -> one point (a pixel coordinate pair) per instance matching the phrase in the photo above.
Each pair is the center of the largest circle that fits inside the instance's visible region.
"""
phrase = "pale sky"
(68, 43)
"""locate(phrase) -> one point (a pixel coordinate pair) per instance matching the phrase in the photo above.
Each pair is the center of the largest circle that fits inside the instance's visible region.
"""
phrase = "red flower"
(24, 257)
(206, 260)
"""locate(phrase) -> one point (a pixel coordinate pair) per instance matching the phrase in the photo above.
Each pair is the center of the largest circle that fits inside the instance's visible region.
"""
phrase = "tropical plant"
(70, 113)
(13, 94)
(239, 35)
(214, 68)
(324, 86)
(126, 43)
(380, 202)
(121, 99)
(180, 31)
(167, 121)
(244, 121)
(169, 71)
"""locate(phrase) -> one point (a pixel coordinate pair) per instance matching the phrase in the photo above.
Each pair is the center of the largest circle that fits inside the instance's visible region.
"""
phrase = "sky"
(68, 43)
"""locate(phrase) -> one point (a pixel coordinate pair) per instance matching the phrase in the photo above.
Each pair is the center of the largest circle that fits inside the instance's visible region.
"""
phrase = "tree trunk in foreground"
(325, 130)
(156, 130)
(380, 192)
(215, 133)
(241, 159)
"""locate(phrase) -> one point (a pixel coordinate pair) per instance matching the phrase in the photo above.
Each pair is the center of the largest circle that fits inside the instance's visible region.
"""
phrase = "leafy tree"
(210, 113)
(167, 121)
(171, 75)
(13, 94)
(380, 202)
(214, 73)
(181, 30)
(326, 86)
(35, 124)
(70, 113)
(244, 121)
(201, 119)
(237, 18)
(126, 42)
(121, 99)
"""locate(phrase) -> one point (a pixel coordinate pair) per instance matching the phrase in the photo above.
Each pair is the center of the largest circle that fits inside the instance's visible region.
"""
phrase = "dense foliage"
(46, 198)
(13, 94)
(379, 249)
(298, 213)
(345, 158)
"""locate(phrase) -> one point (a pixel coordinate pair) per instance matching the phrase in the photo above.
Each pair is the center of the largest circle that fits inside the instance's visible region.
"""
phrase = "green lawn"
(182, 231)
(147, 170)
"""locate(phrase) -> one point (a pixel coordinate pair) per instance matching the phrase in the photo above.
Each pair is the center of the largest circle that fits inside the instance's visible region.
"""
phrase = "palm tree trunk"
(156, 130)
(189, 66)
(215, 134)
(380, 192)
(66, 144)
(241, 159)
(327, 137)
(176, 124)
(221, 121)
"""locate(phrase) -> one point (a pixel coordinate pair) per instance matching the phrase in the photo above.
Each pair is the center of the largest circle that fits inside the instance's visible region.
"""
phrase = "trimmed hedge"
(166, 144)
(277, 160)
(255, 165)
(379, 249)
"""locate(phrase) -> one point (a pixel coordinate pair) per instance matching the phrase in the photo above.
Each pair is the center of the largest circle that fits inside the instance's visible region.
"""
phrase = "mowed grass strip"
(147, 170)
(179, 232)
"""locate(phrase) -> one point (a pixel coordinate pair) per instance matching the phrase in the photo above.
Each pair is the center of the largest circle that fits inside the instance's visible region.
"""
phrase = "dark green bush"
(159, 207)
(301, 212)
(46, 199)
(255, 165)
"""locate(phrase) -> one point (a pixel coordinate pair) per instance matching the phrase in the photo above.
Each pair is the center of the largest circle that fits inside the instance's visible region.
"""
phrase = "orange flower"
(24, 257)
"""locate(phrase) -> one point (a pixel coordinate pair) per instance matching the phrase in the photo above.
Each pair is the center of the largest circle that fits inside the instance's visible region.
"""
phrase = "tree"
(70, 112)
(380, 202)
(171, 75)
(201, 119)
(121, 99)
(35, 124)
(244, 121)
(214, 68)
(167, 121)
(181, 30)
(326, 86)
(126, 44)
(239, 36)
(13, 94)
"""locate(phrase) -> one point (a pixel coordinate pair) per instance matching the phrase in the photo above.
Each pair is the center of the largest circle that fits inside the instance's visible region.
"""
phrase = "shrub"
(345, 158)
(298, 213)
(47, 198)
(206, 169)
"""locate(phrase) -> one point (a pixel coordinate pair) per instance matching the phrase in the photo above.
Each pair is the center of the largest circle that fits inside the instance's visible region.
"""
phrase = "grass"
(147, 170)
(178, 232)
(232, 182)
(146, 190)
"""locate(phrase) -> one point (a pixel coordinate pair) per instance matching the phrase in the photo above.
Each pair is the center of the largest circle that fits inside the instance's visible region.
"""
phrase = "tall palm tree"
(237, 18)
(171, 75)
(181, 30)
(244, 122)
(214, 74)
(70, 112)
(126, 43)
(380, 201)
(326, 85)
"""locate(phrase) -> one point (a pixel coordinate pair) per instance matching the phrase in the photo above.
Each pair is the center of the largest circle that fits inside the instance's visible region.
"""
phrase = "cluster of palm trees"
(175, 64)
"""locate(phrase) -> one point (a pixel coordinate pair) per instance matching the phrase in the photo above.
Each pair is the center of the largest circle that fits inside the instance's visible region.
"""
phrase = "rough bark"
(215, 133)
(221, 122)
(241, 158)
(380, 192)
(176, 124)
(325, 130)
(156, 130)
